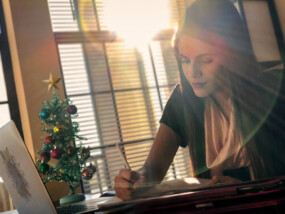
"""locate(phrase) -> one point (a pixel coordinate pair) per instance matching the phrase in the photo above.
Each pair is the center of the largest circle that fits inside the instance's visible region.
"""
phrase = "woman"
(225, 108)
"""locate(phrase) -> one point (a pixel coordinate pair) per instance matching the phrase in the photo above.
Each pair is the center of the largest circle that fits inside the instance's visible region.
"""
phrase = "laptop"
(23, 182)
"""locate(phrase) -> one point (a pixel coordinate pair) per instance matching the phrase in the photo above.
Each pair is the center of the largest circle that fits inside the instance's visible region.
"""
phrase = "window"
(4, 107)
(119, 89)
(8, 98)
(265, 31)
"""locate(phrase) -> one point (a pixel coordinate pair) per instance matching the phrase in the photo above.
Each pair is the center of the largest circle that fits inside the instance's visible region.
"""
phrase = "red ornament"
(85, 152)
(87, 174)
(56, 153)
(72, 109)
(45, 157)
(49, 139)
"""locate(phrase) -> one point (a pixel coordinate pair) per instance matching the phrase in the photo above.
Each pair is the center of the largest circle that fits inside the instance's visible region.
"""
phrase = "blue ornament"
(44, 114)
(45, 147)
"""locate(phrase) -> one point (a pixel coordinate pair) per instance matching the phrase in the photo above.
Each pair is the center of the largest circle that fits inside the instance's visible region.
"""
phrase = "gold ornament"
(56, 129)
(52, 82)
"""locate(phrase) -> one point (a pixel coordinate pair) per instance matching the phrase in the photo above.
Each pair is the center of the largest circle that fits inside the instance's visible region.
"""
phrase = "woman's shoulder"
(175, 100)
(176, 95)
(173, 113)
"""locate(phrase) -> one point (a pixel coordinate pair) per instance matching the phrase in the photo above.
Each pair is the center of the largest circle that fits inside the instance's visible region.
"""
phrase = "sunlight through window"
(137, 21)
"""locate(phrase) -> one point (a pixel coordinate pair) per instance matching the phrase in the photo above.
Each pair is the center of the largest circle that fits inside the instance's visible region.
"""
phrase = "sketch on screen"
(16, 175)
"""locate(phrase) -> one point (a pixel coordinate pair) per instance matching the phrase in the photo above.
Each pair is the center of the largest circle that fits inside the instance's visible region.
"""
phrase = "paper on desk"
(176, 186)
(165, 188)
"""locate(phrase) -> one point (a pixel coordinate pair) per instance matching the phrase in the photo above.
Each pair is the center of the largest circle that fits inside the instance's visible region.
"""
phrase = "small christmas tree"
(59, 144)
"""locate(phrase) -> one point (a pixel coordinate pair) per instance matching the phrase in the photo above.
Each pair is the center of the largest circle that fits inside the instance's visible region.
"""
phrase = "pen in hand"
(123, 157)
(135, 178)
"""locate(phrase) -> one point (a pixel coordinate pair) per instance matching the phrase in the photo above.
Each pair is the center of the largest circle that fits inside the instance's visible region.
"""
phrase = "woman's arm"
(161, 155)
(159, 159)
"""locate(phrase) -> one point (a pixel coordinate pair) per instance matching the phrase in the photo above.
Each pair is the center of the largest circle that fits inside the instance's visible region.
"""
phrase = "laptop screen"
(20, 175)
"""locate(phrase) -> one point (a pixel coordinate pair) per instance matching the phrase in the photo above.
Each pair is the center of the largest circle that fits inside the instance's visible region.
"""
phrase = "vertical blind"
(120, 90)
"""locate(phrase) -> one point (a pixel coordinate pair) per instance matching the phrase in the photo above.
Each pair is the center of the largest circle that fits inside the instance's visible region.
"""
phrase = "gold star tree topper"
(52, 82)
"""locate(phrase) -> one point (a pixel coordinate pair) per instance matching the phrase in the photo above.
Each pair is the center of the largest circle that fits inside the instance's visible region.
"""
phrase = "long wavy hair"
(251, 95)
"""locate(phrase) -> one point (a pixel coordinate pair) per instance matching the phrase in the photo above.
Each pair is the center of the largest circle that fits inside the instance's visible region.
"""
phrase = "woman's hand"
(126, 183)
(224, 180)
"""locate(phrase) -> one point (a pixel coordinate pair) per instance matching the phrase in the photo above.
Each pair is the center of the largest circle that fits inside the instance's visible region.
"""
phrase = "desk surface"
(10, 212)
(264, 195)
(89, 199)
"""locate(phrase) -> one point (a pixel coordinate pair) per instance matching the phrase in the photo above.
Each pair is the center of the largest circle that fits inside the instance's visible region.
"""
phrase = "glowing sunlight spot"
(137, 21)
(191, 180)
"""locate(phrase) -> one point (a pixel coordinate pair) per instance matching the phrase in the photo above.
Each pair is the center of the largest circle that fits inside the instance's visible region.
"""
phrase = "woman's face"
(201, 63)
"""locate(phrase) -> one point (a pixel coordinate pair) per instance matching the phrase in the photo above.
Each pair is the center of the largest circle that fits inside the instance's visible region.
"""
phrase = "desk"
(10, 212)
(263, 196)
(90, 199)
